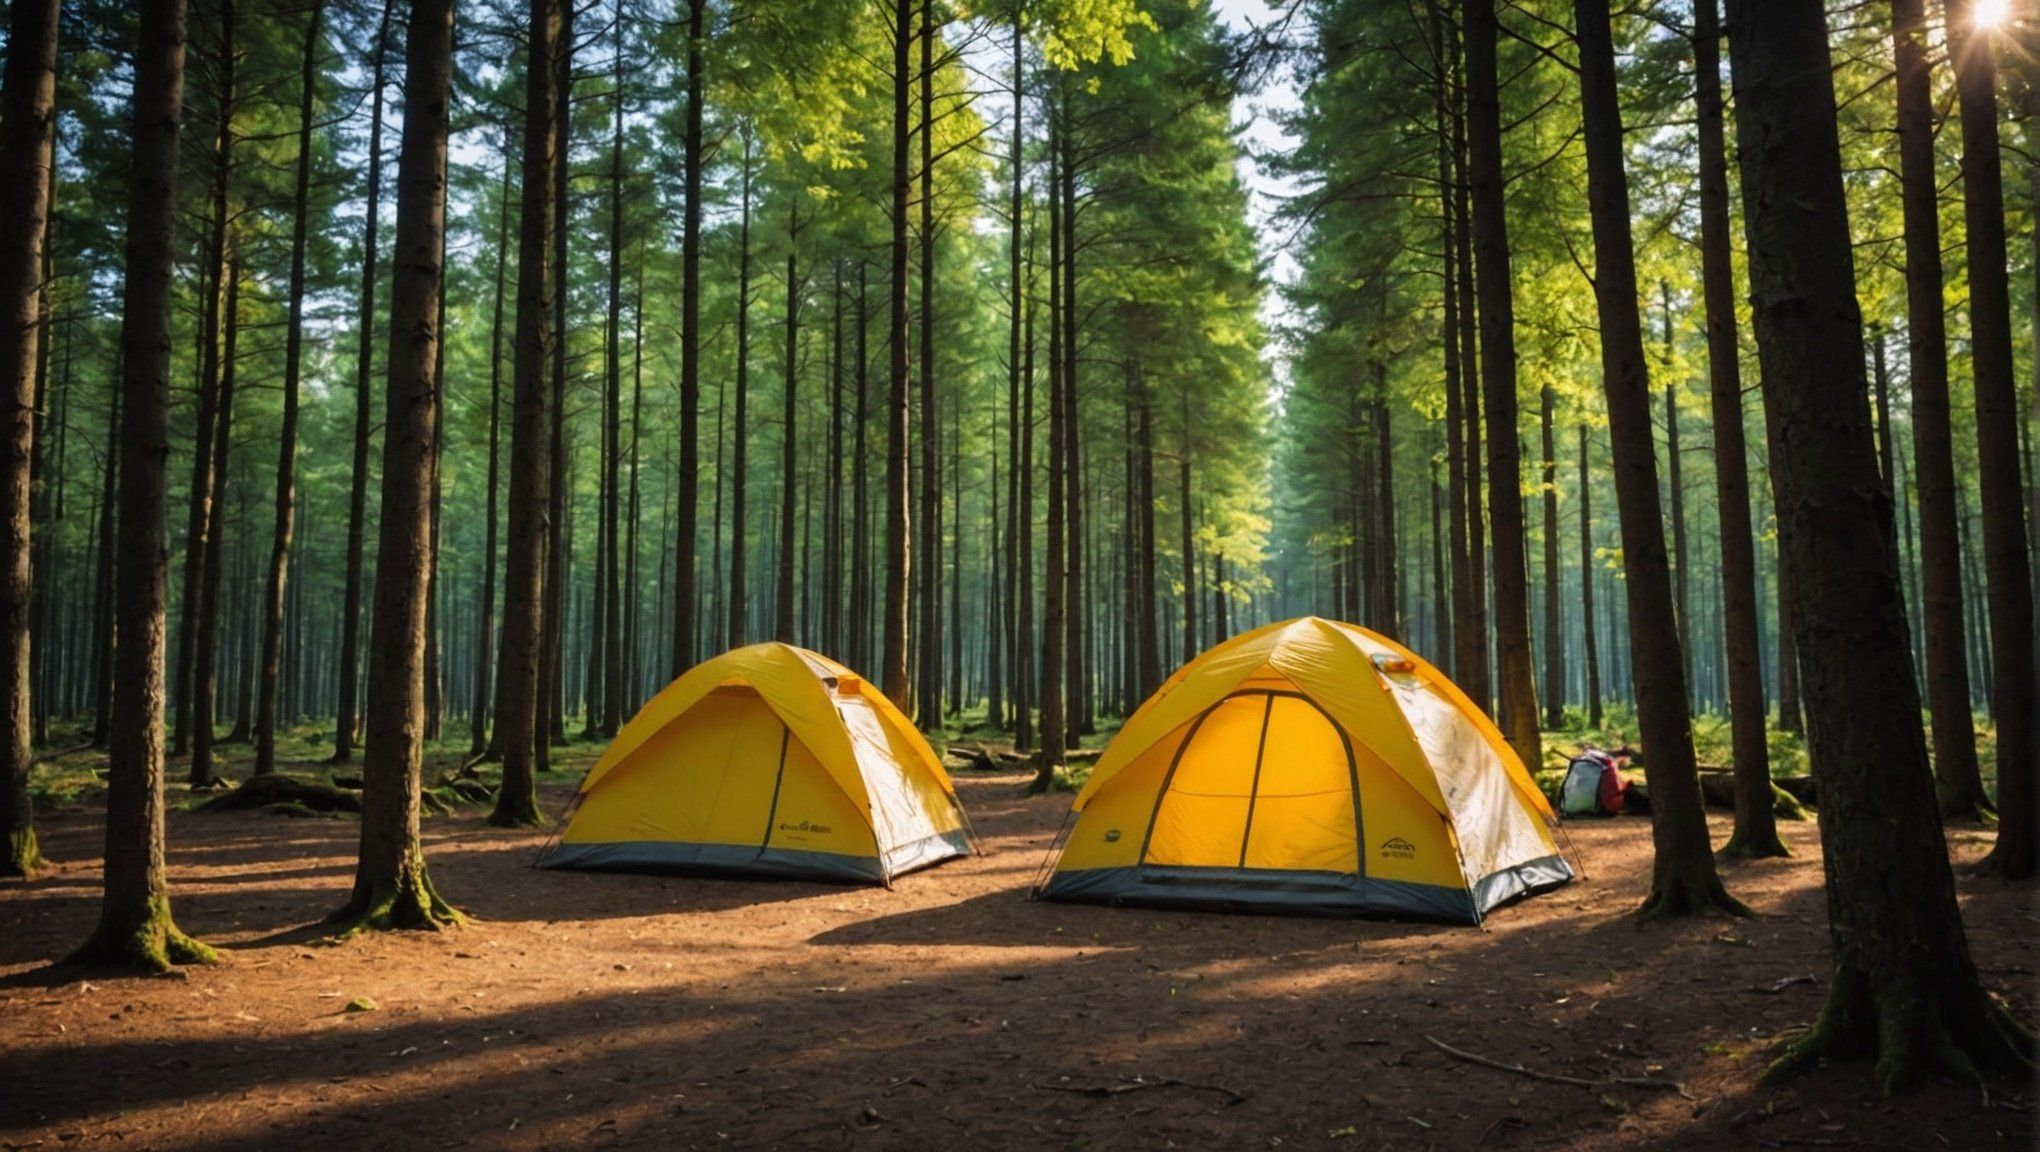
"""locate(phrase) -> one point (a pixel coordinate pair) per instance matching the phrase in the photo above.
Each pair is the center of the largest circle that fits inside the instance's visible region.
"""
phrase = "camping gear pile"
(1594, 784)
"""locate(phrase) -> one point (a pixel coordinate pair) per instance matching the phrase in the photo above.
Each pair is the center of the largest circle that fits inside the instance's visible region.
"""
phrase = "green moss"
(24, 856)
(409, 904)
(151, 943)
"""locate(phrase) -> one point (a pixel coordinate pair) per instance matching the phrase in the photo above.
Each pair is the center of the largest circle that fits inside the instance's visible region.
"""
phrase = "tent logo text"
(1399, 848)
(804, 826)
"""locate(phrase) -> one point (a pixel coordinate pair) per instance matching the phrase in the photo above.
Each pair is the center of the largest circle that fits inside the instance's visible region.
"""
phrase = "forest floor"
(602, 1010)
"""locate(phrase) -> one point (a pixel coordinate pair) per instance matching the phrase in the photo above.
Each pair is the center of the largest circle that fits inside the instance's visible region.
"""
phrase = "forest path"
(591, 1010)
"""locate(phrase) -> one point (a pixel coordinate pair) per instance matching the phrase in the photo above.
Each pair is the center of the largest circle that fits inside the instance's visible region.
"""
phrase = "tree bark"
(898, 558)
(346, 720)
(205, 637)
(1683, 879)
(1498, 378)
(1756, 828)
(1554, 619)
(391, 886)
(928, 670)
(485, 626)
(1589, 645)
(739, 595)
(518, 723)
(286, 457)
(27, 135)
(135, 928)
(789, 446)
(1053, 617)
(1904, 987)
(2009, 580)
(685, 626)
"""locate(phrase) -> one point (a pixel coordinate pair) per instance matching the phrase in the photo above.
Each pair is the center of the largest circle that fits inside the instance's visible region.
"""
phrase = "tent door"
(1233, 798)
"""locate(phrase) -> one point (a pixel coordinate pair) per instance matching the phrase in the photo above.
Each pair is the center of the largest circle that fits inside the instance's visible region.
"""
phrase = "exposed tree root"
(1910, 1031)
(516, 808)
(2007, 861)
(24, 856)
(1681, 894)
(150, 944)
(408, 904)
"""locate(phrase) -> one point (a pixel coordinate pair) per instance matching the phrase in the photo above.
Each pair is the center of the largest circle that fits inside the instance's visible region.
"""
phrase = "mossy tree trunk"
(1904, 989)
(1683, 878)
(27, 120)
(391, 887)
(135, 927)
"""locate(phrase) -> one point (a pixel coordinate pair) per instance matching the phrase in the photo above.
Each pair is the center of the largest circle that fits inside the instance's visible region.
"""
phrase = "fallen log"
(263, 791)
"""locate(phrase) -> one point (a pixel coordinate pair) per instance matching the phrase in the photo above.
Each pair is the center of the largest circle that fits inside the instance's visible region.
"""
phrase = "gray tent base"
(744, 862)
(1287, 893)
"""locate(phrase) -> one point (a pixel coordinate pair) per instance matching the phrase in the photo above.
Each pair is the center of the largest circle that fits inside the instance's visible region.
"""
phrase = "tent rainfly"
(769, 760)
(1310, 767)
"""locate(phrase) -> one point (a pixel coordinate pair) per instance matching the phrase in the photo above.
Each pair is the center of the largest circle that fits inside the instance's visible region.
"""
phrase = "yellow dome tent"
(769, 760)
(1310, 767)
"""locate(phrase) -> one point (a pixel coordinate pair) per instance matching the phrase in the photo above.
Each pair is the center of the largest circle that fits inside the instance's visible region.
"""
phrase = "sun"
(1985, 15)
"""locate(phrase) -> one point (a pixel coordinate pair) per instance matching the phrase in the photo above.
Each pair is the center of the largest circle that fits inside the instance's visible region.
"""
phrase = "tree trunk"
(213, 275)
(1459, 658)
(832, 522)
(1904, 987)
(103, 578)
(739, 597)
(556, 590)
(1756, 828)
(485, 626)
(205, 638)
(789, 446)
(610, 626)
(928, 672)
(1554, 619)
(27, 135)
(135, 928)
(1053, 587)
(518, 723)
(391, 886)
(1683, 879)
(685, 626)
(860, 498)
(1023, 612)
(1149, 664)
(364, 366)
(1498, 377)
(1590, 647)
(1015, 522)
(898, 559)
(286, 457)
(1473, 672)
(2009, 579)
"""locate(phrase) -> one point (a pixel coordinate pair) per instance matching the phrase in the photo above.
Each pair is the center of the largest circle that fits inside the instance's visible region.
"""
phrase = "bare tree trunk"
(1498, 377)
(832, 521)
(518, 720)
(200, 517)
(1683, 879)
(364, 368)
(286, 458)
(928, 669)
(740, 437)
(391, 887)
(1023, 611)
(1076, 691)
(205, 638)
(898, 560)
(1591, 648)
(2009, 579)
(1904, 987)
(1756, 829)
(685, 626)
(1554, 620)
(27, 135)
(485, 627)
(1052, 613)
(860, 499)
(1016, 208)
(135, 928)
(789, 447)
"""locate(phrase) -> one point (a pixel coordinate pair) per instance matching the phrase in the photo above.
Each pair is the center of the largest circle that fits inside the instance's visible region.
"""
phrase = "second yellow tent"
(1314, 767)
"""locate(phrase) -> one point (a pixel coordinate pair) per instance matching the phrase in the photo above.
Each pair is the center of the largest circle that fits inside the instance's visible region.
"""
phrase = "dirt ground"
(601, 1010)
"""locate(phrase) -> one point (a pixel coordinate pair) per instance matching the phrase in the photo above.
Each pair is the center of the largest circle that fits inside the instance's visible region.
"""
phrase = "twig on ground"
(1554, 1077)
(1136, 1083)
